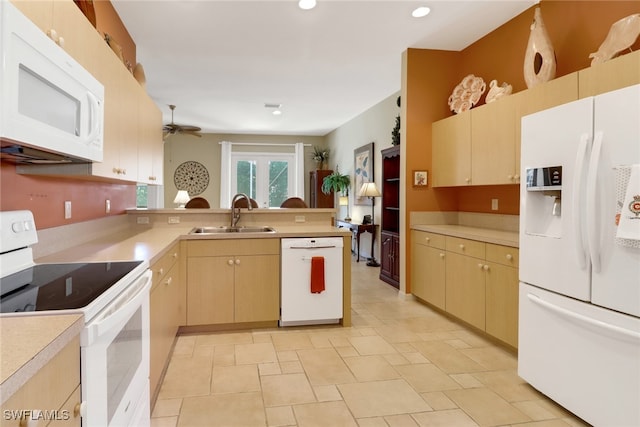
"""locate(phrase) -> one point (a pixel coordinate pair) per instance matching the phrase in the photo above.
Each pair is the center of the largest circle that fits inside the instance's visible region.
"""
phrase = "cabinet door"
(465, 289)
(257, 288)
(72, 408)
(150, 148)
(428, 274)
(493, 151)
(386, 254)
(451, 139)
(502, 303)
(210, 294)
(395, 259)
(614, 74)
(39, 12)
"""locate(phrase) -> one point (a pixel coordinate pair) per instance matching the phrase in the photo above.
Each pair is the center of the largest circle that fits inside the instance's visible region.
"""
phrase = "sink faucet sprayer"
(235, 215)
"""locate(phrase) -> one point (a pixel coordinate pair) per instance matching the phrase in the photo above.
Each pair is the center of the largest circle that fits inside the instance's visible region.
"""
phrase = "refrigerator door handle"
(584, 319)
(578, 225)
(592, 208)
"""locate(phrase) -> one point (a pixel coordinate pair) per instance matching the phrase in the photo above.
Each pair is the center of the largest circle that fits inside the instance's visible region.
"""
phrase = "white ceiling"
(220, 61)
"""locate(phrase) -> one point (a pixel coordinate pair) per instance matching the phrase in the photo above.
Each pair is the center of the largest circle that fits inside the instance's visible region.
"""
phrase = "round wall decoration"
(191, 176)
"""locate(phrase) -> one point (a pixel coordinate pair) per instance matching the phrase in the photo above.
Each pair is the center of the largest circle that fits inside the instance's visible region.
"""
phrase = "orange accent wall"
(45, 197)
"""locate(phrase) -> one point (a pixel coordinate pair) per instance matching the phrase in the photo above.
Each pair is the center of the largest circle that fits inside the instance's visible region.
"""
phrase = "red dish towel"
(317, 274)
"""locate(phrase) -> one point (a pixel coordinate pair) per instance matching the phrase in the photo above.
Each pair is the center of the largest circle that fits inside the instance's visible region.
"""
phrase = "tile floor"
(400, 364)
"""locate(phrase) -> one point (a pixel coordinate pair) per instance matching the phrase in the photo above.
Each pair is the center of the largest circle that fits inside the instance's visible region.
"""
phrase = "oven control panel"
(17, 230)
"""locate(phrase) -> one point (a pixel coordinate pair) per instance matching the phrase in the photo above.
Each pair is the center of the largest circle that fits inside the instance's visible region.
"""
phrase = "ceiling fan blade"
(187, 128)
(193, 133)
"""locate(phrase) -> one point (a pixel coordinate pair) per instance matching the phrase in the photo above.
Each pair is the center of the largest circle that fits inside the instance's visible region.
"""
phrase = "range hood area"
(24, 155)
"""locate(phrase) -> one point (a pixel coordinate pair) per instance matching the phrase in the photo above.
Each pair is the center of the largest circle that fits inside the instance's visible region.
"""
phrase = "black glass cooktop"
(60, 286)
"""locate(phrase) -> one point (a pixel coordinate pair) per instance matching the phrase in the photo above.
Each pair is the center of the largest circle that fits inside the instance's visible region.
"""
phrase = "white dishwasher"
(304, 301)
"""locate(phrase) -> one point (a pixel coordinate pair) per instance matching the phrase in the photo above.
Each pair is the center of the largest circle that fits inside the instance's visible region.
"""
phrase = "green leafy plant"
(320, 154)
(336, 182)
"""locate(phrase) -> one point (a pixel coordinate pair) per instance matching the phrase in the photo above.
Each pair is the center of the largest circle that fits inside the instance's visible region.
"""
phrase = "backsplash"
(470, 219)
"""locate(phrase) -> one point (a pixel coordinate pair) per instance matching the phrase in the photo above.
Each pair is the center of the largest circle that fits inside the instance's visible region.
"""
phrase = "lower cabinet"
(390, 258)
(474, 281)
(54, 388)
(166, 306)
(233, 281)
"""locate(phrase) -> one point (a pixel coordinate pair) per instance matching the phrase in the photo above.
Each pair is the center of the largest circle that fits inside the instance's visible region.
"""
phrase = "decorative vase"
(539, 58)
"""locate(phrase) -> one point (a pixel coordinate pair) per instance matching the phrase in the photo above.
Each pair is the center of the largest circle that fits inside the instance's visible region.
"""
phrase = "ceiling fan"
(173, 128)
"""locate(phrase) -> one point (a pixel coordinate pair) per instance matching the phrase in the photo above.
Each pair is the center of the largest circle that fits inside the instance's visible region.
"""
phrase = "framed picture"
(419, 178)
(363, 171)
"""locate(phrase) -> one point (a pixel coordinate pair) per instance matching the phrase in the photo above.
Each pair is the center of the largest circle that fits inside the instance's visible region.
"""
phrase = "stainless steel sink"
(226, 229)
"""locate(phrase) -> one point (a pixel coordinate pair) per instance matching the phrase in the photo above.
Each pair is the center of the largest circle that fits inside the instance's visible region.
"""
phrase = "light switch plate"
(67, 209)
(494, 204)
(174, 220)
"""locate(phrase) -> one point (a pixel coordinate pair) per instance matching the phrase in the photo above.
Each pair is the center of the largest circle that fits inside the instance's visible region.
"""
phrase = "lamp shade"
(343, 201)
(181, 198)
(369, 189)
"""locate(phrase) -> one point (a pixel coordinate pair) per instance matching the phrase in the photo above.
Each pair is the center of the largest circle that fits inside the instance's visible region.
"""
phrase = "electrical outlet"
(67, 209)
(107, 206)
(300, 218)
(142, 220)
(494, 204)
(174, 220)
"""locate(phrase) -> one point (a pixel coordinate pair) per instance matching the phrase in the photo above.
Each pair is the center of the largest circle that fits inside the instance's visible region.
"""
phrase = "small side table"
(358, 229)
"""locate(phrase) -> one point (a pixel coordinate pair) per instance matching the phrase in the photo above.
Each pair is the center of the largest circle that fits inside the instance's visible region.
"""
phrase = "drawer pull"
(168, 281)
(428, 239)
(480, 266)
(230, 262)
(441, 255)
(509, 257)
(485, 267)
(175, 255)
(161, 271)
(237, 261)
(462, 247)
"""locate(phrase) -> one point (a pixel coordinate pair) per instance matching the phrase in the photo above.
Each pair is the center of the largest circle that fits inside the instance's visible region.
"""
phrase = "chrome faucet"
(235, 215)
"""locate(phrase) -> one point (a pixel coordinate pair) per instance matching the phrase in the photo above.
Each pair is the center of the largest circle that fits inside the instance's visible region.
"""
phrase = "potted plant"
(320, 155)
(336, 182)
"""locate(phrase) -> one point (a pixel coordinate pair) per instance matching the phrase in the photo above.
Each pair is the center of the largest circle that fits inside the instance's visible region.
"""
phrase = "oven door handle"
(122, 308)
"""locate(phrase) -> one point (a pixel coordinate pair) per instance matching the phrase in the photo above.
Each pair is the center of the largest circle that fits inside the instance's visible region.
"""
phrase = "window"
(141, 196)
(267, 178)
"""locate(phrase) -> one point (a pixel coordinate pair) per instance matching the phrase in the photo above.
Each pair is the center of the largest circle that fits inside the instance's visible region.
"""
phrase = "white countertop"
(488, 235)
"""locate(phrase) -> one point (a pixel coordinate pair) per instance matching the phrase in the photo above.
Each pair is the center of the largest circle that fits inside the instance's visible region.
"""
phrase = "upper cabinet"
(133, 146)
(482, 146)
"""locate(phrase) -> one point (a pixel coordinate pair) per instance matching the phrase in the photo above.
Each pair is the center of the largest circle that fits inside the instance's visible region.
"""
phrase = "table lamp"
(181, 198)
(370, 190)
(344, 201)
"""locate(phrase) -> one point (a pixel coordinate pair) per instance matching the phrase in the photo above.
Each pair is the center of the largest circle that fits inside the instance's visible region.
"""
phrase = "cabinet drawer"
(504, 255)
(429, 239)
(466, 247)
(197, 248)
(164, 264)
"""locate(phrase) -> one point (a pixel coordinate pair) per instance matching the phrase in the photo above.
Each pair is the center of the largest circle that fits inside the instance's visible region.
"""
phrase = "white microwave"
(49, 103)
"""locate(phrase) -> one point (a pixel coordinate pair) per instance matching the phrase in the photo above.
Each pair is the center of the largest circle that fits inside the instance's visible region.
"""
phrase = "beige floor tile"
(223, 410)
(325, 366)
(371, 345)
(371, 368)
(286, 389)
(347, 351)
(546, 423)
(372, 422)
(247, 354)
(221, 338)
(269, 368)
(472, 338)
(516, 392)
(403, 347)
(534, 410)
(447, 418)
(486, 407)
(501, 377)
(167, 408)
(466, 380)
(457, 343)
(187, 377)
(341, 341)
(224, 355)
(184, 345)
(492, 358)
(416, 357)
(396, 359)
(447, 358)
(287, 356)
(291, 341)
(393, 334)
(438, 400)
(324, 414)
(404, 420)
(426, 378)
(235, 379)
(292, 367)
(280, 416)
(380, 398)
(327, 393)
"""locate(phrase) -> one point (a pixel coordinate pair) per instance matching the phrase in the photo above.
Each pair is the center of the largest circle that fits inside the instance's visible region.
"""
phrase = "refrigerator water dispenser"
(544, 201)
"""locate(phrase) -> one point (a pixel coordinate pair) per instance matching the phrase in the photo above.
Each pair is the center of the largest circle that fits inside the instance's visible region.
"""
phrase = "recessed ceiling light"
(276, 112)
(307, 4)
(420, 12)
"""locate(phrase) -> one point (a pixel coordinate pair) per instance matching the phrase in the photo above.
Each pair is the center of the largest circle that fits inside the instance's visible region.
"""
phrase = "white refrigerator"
(579, 304)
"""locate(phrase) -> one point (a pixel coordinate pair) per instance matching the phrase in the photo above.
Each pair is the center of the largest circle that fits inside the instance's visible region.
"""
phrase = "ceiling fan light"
(420, 12)
(307, 4)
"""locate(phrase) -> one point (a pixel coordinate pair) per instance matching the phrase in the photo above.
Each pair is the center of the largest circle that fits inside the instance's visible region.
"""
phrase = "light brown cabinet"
(167, 306)
(428, 270)
(150, 145)
(474, 281)
(54, 388)
(451, 146)
(233, 281)
(614, 74)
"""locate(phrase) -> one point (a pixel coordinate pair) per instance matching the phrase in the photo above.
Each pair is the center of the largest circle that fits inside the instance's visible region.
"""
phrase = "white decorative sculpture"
(539, 59)
(466, 94)
(622, 35)
(496, 92)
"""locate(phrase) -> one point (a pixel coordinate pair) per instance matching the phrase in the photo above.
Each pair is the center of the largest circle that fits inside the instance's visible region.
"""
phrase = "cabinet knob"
(175, 255)
(479, 265)
(510, 177)
(428, 239)
(441, 255)
(467, 180)
(516, 177)
(60, 42)
(230, 262)
(168, 281)
(237, 261)
(161, 271)
(462, 247)
(485, 267)
(509, 257)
